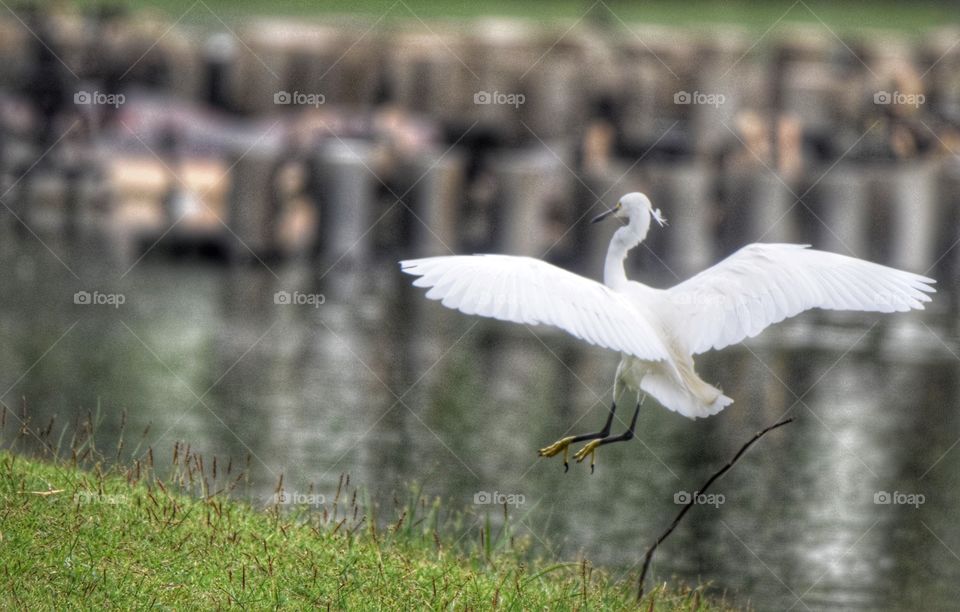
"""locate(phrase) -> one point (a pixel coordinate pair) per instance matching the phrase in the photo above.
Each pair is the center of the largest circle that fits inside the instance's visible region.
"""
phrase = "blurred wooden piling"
(690, 243)
(652, 66)
(345, 191)
(253, 203)
(844, 199)
(914, 216)
(557, 103)
(942, 54)
(810, 93)
(946, 268)
(503, 54)
(434, 201)
(280, 56)
(729, 81)
(14, 48)
(425, 73)
(531, 182)
(774, 213)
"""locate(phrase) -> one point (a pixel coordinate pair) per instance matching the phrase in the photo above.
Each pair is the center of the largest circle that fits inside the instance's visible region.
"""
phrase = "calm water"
(387, 387)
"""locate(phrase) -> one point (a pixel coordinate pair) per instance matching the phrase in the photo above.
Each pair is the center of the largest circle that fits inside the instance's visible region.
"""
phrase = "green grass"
(123, 538)
(758, 16)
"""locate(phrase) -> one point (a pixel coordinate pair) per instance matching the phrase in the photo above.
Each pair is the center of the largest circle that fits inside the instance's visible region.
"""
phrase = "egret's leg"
(591, 447)
(564, 443)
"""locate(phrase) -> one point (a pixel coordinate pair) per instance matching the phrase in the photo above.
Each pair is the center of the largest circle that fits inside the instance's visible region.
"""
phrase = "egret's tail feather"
(694, 398)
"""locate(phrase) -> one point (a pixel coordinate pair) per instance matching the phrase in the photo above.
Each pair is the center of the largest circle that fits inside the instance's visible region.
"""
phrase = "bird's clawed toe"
(556, 447)
(562, 444)
(589, 450)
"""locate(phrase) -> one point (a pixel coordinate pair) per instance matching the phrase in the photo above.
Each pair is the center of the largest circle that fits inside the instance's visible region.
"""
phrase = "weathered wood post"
(773, 214)
(258, 75)
(914, 216)
(651, 80)
(690, 245)
(435, 201)
(532, 179)
(942, 54)
(424, 74)
(844, 200)
(221, 52)
(947, 269)
(345, 191)
(14, 49)
(554, 105)
(252, 200)
(502, 56)
(725, 79)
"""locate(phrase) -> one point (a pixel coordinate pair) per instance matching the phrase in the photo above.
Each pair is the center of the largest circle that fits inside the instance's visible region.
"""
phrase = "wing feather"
(531, 291)
(763, 284)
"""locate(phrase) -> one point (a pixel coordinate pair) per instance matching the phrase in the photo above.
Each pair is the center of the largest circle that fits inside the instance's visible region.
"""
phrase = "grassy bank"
(88, 538)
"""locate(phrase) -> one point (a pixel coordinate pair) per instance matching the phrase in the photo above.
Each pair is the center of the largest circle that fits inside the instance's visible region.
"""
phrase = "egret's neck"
(623, 240)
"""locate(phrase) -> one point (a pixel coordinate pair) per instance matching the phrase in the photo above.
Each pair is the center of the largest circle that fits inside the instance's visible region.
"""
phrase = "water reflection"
(384, 385)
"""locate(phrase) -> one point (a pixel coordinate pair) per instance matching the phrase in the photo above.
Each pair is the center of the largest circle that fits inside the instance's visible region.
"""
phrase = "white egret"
(658, 331)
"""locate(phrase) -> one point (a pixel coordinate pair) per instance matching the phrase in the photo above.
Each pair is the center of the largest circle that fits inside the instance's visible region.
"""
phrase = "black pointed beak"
(603, 215)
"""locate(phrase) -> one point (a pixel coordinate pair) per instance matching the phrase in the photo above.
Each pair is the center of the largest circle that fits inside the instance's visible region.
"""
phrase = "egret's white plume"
(658, 217)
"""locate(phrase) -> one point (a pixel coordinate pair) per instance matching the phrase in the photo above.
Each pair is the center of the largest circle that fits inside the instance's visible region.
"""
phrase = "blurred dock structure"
(351, 141)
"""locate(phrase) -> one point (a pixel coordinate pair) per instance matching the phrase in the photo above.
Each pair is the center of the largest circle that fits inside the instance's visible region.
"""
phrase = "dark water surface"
(388, 387)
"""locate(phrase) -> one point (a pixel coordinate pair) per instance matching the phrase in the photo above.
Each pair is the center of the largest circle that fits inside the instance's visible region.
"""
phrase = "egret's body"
(658, 331)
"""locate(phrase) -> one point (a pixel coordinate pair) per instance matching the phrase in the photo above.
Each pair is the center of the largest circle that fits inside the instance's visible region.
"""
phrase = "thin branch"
(693, 500)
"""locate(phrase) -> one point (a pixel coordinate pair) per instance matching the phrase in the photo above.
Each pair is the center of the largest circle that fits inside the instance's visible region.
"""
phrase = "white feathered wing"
(533, 292)
(763, 284)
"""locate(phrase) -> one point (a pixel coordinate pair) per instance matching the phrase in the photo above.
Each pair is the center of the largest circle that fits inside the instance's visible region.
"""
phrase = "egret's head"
(633, 206)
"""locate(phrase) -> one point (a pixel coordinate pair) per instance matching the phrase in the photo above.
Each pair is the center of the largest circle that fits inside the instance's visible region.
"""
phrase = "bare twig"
(693, 499)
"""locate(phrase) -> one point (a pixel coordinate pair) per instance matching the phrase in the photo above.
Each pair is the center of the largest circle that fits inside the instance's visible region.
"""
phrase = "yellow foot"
(589, 449)
(562, 444)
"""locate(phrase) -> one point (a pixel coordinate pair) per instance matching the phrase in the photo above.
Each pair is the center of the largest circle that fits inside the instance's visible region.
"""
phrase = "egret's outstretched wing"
(762, 284)
(530, 291)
